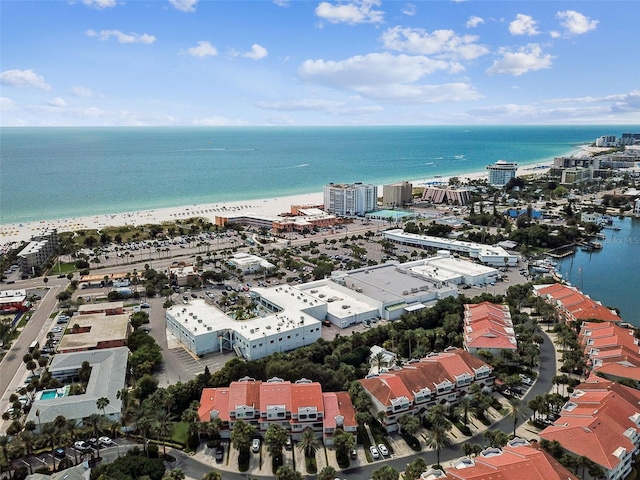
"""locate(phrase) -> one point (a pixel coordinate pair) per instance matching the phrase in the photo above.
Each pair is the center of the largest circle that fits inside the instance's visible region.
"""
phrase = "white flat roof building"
(488, 254)
(203, 329)
(248, 263)
(501, 172)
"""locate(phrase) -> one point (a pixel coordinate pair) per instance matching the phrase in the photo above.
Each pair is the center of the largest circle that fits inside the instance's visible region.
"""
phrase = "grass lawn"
(62, 268)
(179, 433)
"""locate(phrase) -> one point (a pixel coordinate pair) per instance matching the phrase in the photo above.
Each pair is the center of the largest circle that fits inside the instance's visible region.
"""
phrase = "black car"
(219, 455)
(59, 453)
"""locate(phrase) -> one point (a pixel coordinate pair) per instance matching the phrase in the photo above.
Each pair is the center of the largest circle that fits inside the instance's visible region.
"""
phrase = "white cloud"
(386, 77)
(281, 3)
(474, 21)
(258, 52)
(374, 68)
(218, 121)
(100, 4)
(555, 34)
(105, 35)
(57, 102)
(301, 105)
(527, 59)
(82, 92)
(184, 5)
(444, 43)
(409, 9)
(23, 79)
(576, 23)
(204, 49)
(6, 104)
(354, 12)
(523, 25)
(625, 102)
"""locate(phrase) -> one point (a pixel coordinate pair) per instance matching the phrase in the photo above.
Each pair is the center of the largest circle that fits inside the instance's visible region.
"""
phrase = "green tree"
(409, 423)
(163, 425)
(516, 408)
(496, 438)
(309, 443)
(96, 421)
(102, 404)
(463, 408)
(386, 472)
(285, 472)
(275, 439)
(212, 475)
(416, 468)
(241, 435)
(327, 473)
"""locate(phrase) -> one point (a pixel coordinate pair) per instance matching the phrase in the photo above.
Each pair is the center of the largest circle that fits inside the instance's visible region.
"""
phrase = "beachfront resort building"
(488, 254)
(488, 327)
(397, 195)
(439, 378)
(572, 305)
(501, 172)
(303, 218)
(37, 252)
(601, 421)
(350, 199)
(294, 406)
(107, 377)
(451, 196)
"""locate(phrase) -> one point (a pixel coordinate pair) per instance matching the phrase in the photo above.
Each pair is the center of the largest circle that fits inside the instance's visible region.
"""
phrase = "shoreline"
(22, 231)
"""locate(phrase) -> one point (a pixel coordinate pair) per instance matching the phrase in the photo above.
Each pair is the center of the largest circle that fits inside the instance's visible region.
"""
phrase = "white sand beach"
(10, 233)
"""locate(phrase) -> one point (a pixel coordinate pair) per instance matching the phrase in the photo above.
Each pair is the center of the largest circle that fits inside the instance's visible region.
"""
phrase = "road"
(36, 328)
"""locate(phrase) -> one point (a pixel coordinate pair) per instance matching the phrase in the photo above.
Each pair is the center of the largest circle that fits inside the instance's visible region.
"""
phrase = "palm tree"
(309, 443)
(143, 423)
(102, 403)
(463, 408)
(515, 412)
(50, 433)
(275, 439)
(95, 422)
(164, 422)
(241, 435)
(4, 446)
(72, 431)
(437, 437)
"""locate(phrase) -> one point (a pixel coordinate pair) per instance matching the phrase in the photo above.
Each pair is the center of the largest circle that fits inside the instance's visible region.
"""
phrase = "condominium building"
(601, 421)
(574, 306)
(439, 378)
(293, 406)
(451, 196)
(501, 172)
(397, 194)
(488, 327)
(38, 251)
(350, 199)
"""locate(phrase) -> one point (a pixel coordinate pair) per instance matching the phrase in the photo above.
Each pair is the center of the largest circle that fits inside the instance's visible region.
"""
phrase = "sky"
(317, 63)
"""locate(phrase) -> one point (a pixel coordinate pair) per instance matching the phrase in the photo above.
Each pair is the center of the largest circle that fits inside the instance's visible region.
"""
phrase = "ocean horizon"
(66, 172)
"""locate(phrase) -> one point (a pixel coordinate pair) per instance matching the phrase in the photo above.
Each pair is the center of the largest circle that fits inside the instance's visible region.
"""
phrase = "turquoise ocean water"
(49, 173)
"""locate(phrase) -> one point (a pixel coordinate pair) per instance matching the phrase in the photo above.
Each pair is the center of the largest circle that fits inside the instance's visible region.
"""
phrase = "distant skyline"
(314, 63)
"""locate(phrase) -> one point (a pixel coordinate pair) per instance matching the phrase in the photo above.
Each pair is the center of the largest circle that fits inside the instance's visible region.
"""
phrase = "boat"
(539, 269)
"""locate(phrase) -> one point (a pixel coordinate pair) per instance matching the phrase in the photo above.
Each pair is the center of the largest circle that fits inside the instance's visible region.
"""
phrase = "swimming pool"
(48, 394)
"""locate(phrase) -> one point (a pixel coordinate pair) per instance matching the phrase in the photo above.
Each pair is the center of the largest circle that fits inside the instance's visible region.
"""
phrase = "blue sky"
(291, 62)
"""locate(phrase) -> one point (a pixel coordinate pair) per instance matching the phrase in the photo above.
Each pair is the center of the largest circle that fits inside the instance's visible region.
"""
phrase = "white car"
(383, 450)
(82, 446)
(255, 445)
(374, 452)
(105, 441)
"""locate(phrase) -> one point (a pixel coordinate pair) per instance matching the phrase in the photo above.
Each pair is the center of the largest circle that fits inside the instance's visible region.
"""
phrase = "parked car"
(289, 444)
(219, 455)
(59, 453)
(354, 453)
(82, 446)
(374, 452)
(255, 445)
(382, 448)
(105, 441)
(145, 305)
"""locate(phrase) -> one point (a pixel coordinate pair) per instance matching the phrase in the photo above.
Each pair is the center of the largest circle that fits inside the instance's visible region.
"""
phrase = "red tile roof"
(577, 304)
(306, 395)
(214, 399)
(488, 326)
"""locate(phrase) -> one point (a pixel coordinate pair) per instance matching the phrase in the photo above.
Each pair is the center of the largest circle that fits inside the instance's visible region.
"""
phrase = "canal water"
(611, 275)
